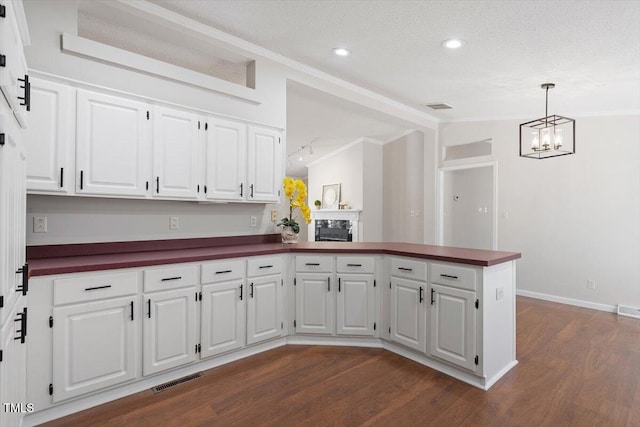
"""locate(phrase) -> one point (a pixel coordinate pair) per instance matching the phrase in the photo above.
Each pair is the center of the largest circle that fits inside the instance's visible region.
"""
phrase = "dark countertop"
(46, 260)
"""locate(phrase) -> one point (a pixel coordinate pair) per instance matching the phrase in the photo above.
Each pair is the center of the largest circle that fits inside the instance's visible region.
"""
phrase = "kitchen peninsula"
(110, 319)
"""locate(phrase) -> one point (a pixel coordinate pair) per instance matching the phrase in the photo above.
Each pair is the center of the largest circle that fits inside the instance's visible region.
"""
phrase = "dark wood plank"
(578, 367)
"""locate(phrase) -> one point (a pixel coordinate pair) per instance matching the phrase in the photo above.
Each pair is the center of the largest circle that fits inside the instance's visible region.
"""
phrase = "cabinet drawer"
(261, 266)
(170, 278)
(355, 264)
(221, 271)
(409, 268)
(94, 287)
(453, 275)
(314, 263)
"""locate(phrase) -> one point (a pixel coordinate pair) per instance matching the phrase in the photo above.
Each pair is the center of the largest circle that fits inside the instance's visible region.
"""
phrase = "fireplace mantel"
(338, 215)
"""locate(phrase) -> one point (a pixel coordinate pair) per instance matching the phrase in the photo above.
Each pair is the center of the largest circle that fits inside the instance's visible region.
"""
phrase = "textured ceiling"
(589, 49)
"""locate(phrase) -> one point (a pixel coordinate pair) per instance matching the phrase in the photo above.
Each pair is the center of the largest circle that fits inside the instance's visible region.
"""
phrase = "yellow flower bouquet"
(296, 192)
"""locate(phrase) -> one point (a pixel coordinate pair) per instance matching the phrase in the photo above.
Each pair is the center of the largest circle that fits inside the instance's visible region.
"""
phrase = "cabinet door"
(264, 174)
(49, 139)
(226, 166)
(13, 370)
(113, 151)
(453, 326)
(175, 153)
(263, 309)
(354, 304)
(12, 212)
(408, 317)
(169, 330)
(223, 318)
(14, 66)
(314, 304)
(94, 346)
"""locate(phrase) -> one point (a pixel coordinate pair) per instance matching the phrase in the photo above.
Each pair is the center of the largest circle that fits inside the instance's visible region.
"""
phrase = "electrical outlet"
(274, 216)
(254, 221)
(39, 224)
(591, 284)
(174, 224)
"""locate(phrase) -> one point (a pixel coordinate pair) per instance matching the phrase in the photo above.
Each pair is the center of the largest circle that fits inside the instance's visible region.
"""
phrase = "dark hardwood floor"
(578, 367)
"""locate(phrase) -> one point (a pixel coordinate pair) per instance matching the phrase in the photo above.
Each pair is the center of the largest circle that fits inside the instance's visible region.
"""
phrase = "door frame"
(440, 197)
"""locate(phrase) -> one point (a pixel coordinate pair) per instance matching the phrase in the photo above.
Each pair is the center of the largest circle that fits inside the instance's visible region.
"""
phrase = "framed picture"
(330, 196)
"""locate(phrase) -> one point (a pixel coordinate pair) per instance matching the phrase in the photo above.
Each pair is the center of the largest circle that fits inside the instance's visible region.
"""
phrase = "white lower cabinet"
(453, 325)
(169, 330)
(408, 313)
(263, 308)
(94, 346)
(355, 305)
(222, 327)
(314, 303)
(13, 367)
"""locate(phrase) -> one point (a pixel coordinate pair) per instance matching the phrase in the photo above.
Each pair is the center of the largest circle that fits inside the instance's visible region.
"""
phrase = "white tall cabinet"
(14, 105)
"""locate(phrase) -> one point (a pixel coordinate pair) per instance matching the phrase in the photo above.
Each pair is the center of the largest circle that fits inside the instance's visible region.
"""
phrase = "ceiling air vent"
(439, 106)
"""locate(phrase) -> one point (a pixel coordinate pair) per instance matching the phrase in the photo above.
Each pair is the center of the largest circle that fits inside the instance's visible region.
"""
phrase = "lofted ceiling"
(589, 49)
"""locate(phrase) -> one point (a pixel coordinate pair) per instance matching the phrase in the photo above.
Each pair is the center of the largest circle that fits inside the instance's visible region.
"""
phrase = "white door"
(226, 166)
(263, 309)
(408, 317)
(453, 326)
(15, 65)
(113, 145)
(13, 370)
(49, 141)
(223, 318)
(264, 173)
(314, 304)
(169, 330)
(355, 305)
(175, 153)
(94, 346)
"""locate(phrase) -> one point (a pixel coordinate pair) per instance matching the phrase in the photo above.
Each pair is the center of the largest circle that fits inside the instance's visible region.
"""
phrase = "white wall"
(573, 218)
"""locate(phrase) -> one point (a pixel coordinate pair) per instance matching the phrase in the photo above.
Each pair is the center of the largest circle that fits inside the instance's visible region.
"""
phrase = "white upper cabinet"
(264, 173)
(50, 138)
(113, 145)
(226, 164)
(175, 153)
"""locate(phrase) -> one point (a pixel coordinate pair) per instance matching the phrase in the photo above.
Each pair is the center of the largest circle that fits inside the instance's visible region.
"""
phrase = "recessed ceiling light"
(341, 51)
(453, 43)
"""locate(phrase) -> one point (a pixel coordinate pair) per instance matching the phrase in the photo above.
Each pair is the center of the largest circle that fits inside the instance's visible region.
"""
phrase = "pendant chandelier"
(550, 136)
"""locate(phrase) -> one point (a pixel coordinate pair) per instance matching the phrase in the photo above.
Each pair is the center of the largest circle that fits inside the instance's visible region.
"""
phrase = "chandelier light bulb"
(557, 139)
(546, 139)
(535, 141)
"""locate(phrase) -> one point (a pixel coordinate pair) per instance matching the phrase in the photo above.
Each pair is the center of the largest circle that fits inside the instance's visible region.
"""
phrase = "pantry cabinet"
(175, 153)
(113, 149)
(50, 140)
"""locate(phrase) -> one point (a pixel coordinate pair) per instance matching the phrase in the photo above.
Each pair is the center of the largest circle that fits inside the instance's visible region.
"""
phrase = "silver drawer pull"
(311, 264)
(97, 287)
(448, 276)
(167, 279)
(223, 271)
(266, 266)
(405, 269)
(354, 265)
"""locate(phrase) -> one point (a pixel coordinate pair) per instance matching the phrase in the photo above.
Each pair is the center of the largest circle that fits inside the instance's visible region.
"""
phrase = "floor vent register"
(166, 386)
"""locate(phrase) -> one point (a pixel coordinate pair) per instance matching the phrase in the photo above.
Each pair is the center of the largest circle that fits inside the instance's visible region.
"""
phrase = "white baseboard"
(569, 301)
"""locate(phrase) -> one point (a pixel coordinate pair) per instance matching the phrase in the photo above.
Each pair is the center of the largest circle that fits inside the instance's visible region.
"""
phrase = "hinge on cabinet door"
(198, 124)
(374, 326)
(3, 60)
(198, 188)
(278, 140)
(1, 138)
(294, 281)
(477, 304)
(281, 282)
(374, 283)
(281, 325)
(389, 285)
(294, 323)
(51, 321)
(1, 301)
(389, 329)
(147, 114)
(0, 355)
(476, 359)
(3, 11)
(278, 193)
(50, 389)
